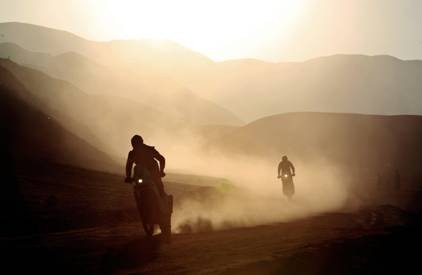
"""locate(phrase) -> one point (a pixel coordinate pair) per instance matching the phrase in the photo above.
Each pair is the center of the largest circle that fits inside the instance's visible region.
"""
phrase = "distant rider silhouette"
(286, 171)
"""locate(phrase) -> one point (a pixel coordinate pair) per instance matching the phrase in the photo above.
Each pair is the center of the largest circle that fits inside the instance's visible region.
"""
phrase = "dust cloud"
(170, 121)
(253, 195)
(256, 196)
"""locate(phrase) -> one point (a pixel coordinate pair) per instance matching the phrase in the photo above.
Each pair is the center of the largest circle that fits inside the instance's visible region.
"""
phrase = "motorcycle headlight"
(285, 175)
(140, 180)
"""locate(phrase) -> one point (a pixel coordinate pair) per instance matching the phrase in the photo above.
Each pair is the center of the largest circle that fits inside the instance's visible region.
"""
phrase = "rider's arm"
(161, 160)
(293, 168)
(129, 164)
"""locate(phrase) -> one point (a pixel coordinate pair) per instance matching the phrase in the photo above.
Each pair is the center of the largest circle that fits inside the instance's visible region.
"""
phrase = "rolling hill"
(31, 135)
(107, 121)
(132, 69)
(363, 146)
(343, 83)
(42, 39)
(250, 88)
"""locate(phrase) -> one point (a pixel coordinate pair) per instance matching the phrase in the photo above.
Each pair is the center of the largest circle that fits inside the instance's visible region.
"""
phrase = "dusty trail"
(262, 249)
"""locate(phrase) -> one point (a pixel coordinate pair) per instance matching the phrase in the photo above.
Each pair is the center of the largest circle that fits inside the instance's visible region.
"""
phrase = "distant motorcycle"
(152, 207)
(288, 186)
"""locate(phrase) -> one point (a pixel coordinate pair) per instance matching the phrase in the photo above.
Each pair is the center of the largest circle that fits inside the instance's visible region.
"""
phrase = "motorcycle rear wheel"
(166, 229)
(148, 228)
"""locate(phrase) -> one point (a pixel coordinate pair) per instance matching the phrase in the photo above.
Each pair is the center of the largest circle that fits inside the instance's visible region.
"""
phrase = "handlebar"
(140, 180)
(285, 176)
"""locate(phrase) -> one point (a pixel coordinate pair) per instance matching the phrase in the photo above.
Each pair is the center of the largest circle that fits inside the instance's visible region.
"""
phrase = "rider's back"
(285, 167)
(144, 156)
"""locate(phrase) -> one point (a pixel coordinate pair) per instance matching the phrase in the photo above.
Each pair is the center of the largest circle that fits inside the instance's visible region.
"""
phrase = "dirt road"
(307, 246)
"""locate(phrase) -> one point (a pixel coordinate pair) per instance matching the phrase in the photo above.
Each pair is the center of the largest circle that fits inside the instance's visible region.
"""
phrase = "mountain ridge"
(378, 84)
(95, 78)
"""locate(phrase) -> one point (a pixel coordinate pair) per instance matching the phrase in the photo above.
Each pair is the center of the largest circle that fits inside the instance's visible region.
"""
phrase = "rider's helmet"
(284, 158)
(136, 140)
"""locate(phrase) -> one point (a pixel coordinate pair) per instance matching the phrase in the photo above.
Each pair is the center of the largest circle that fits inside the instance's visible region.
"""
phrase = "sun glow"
(218, 28)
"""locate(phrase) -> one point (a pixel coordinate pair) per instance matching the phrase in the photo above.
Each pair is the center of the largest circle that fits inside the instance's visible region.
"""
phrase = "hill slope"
(253, 88)
(30, 135)
(134, 69)
(341, 83)
(107, 121)
(362, 145)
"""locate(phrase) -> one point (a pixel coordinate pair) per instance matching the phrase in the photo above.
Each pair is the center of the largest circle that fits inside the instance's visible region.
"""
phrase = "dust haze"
(249, 192)
(181, 102)
(349, 118)
(252, 194)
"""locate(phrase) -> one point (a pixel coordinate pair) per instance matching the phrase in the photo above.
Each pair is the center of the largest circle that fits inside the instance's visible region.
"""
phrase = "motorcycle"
(288, 186)
(153, 208)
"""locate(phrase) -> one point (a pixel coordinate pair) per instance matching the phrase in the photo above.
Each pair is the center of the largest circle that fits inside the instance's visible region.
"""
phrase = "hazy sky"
(274, 30)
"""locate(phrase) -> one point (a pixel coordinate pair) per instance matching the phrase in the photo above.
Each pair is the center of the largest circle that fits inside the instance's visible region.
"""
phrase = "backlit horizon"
(269, 30)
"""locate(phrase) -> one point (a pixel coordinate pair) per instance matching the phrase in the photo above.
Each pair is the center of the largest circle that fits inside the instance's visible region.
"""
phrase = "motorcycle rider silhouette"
(154, 205)
(286, 171)
(146, 157)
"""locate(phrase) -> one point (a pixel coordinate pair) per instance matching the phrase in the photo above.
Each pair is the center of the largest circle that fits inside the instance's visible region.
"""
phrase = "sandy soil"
(90, 226)
(336, 243)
